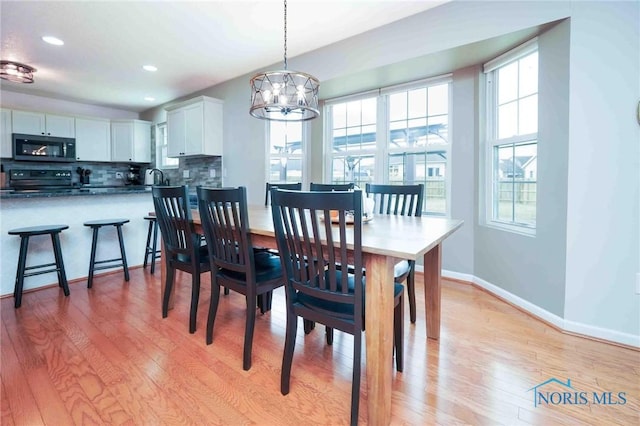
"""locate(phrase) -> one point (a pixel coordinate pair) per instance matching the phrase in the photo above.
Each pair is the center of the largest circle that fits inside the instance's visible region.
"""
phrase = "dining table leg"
(432, 290)
(379, 337)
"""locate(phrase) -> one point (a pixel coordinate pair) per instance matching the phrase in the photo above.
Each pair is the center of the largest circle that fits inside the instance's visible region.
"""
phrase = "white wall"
(458, 249)
(603, 253)
(533, 267)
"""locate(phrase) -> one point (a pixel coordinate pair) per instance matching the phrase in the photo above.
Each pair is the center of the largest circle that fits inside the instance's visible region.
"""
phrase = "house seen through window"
(397, 136)
(286, 151)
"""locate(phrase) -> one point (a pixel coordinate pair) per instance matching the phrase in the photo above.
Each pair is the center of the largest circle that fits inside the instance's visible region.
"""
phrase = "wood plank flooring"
(106, 356)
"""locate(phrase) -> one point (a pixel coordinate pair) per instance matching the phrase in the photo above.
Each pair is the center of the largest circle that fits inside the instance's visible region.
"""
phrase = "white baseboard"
(521, 303)
(559, 322)
(602, 333)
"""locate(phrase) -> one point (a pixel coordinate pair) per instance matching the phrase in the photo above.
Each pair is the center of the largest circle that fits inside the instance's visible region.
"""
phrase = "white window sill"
(513, 228)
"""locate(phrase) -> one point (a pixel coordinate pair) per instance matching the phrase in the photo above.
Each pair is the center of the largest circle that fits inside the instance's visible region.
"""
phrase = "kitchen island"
(74, 191)
(71, 207)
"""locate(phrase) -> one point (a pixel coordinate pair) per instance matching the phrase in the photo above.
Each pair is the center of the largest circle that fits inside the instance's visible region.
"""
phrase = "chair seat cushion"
(268, 268)
(401, 268)
(338, 309)
(203, 252)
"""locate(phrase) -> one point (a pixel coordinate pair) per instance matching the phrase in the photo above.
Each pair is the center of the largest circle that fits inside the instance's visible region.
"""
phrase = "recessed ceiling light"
(150, 68)
(53, 40)
(149, 98)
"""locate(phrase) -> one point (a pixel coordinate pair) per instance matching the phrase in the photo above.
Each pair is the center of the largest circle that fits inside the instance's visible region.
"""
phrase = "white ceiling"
(195, 45)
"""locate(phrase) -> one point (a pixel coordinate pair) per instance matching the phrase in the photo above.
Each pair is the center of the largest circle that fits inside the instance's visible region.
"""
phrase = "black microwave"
(43, 148)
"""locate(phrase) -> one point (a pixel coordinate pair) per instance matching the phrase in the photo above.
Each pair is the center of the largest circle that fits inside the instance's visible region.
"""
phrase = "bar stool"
(151, 248)
(21, 273)
(95, 225)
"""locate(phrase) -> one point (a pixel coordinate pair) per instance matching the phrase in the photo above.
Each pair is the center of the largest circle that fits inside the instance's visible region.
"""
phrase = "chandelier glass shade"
(284, 95)
(16, 72)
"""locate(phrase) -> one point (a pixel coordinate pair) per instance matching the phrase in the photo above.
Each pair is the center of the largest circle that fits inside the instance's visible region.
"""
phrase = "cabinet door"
(175, 133)
(93, 140)
(28, 123)
(6, 148)
(194, 129)
(60, 126)
(142, 142)
(121, 141)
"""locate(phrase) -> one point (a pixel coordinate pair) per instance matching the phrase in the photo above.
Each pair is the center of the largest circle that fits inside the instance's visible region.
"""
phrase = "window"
(286, 152)
(354, 141)
(399, 135)
(511, 158)
(162, 161)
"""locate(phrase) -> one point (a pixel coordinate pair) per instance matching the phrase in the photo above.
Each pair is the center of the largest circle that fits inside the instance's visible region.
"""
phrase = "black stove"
(40, 179)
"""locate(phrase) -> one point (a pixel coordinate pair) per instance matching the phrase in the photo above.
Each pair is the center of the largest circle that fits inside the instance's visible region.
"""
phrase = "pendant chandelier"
(16, 72)
(284, 95)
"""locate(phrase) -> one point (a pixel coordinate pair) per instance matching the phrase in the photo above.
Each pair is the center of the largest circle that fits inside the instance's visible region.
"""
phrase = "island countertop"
(9, 193)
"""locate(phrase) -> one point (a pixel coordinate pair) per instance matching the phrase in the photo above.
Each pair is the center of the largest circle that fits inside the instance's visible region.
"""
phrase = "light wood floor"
(105, 356)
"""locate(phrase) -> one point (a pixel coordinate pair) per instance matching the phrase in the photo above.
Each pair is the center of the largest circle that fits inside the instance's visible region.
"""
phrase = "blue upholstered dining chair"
(331, 186)
(269, 186)
(235, 265)
(316, 288)
(182, 245)
(402, 200)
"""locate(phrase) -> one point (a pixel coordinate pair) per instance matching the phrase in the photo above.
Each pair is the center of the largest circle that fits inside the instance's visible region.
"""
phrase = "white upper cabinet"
(194, 127)
(131, 141)
(38, 123)
(93, 139)
(6, 143)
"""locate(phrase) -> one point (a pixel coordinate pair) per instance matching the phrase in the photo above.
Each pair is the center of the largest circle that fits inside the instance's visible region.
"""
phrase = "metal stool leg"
(94, 243)
(124, 256)
(22, 260)
(57, 252)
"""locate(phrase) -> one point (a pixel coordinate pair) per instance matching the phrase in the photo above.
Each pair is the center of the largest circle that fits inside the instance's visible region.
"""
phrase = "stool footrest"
(107, 260)
(44, 265)
(113, 265)
(98, 268)
(46, 271)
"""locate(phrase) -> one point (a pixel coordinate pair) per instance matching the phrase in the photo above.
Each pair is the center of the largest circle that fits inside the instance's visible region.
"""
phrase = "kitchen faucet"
(162, 182)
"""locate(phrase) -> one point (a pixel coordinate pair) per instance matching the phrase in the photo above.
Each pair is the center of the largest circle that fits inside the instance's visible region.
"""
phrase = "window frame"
(303, 157)
(382, 151)
(491, 141)
(161, 160)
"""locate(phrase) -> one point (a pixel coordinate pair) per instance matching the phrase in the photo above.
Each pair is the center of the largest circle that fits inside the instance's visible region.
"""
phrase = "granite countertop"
(76, 191)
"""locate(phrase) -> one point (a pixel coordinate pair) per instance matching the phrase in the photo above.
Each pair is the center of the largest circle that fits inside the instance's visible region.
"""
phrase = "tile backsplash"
(199, 170)
(105, 173)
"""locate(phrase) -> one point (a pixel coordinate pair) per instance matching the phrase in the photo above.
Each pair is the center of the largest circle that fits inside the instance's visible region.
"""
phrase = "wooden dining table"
(386, 240)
